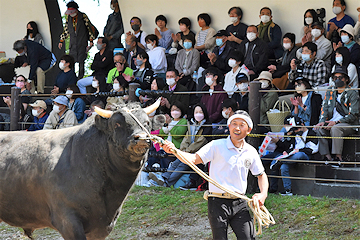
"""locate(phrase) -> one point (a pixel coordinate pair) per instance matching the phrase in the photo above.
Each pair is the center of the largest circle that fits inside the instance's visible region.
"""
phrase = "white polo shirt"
(229, 165)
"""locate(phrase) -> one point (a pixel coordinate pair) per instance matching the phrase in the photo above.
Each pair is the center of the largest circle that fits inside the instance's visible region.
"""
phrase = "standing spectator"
(205, 41)
(340, 110)
(60, 117)
(32, 33)
(313, 69)
(255, 52)
(229, 106)
(103, 62)
(132, 49)
(66, 76)
(310, 17)
(270, 33)
(237, 29)
(211, 100)
(114, 27)
(40, 60)
(220, 56)
(76, 104)
(342, 59)
(143, 73)
(140, 35)
(164, 35)
(187, 61)
(185, 30)
(121, 69)
(40, 116)
(338, 22)
(157, 57)
(79, 28)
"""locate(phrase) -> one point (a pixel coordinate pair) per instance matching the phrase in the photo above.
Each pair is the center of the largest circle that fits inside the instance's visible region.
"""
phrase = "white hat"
(265, 75)
(243, 115)
(348, 29)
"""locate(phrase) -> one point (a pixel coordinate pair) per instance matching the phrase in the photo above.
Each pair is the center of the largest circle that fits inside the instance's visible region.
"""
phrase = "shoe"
(275, 165)
(336, 163)
(157, 178)
(191, 185)
(286, 193)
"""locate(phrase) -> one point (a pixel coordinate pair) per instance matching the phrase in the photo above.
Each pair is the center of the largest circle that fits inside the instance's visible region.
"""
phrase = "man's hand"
(25, 64)
(319, 125)
(167, 146)
(251, 72)
(330, 124)
(109, 37)
(60, 45)
(336, 46)
(7, 100)
(173, 36)
(260, 197)
(293, 65)
(232, 38)
(165, 102)
(332, 26)
(272, 68)
(127, 77)
(167, 118)
(55, 90)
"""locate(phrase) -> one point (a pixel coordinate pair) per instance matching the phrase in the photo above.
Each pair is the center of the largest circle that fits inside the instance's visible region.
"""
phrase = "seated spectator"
(114, 27)
(236, 60)
(76, 103)
(204, 39)
(310, 17)
(342, 59)
(164, 35)
(91, 111)
(268, 99)
(324, 48)
(313, 69)
(229, 106)
(357, 28)
(103, 62)
(281, 70)
(121, 69)
(242, 96)
(270, 33)
(348, 40)
(172, 78)
(255, 52)
(156, 84)
(39, 112)
(66, 76)
(307, 104)
(131, 51)
(33, 34)
(140, 35)
(178, 39)
(187, 61)
(211, 100)
(338, 22)
(143, 74)
(220, 56)
(237, 29)
(340, 110)
(99, 84)
(157, 57)
(40, 60)
(119, 85)
(297, 147)
(60, 117)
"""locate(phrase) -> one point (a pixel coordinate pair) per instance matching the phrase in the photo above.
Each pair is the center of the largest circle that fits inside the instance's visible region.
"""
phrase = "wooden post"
(15, 108)
(132, 89)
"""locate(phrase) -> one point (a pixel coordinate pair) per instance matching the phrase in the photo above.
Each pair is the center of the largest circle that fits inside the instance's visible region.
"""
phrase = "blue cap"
(61, 100)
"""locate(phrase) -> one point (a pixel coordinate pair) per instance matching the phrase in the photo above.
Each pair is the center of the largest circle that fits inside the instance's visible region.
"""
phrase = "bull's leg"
(28, 232)
(70, 228)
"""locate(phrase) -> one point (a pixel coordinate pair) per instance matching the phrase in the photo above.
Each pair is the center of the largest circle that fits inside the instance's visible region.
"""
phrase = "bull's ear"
(101, 123)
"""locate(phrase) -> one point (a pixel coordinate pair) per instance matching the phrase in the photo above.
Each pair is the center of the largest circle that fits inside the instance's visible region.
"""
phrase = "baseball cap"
(242, 77)
(221, 33)
(61, 100)
(39, 103)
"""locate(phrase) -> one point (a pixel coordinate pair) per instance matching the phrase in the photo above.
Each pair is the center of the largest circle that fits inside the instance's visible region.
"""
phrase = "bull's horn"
(102, 112)
(153, 106)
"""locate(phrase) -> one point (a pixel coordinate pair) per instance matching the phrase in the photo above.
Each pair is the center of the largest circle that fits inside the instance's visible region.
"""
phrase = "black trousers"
(222, 212)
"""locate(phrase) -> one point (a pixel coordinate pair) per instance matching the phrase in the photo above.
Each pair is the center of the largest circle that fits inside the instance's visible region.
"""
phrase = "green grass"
(166, 213)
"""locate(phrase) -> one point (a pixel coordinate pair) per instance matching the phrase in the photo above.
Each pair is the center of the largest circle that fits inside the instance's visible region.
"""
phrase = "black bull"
(73, 180)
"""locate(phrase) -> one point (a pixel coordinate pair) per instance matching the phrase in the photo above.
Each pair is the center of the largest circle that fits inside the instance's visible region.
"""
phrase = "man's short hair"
(230, 103)
(97, 103)
(311, 46)
(132, 38)
(239, 12)
(252, 26)
(72, 4)
(173, 70)
(121, 55)
(185, 21)
(290, 36)
(342, 2)
(152, 37)
(267, 9)
(68, 59)
(237, 56)
(19, 45)
(161, 18)
(104, 40)
(135, 18)
(206, 17)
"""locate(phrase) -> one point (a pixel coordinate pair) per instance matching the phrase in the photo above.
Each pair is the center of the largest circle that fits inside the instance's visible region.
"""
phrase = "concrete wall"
(287, 13)
(14, 15)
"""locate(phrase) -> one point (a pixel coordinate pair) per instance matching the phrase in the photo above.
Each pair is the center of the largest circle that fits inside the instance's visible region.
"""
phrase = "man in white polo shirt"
(231, 159)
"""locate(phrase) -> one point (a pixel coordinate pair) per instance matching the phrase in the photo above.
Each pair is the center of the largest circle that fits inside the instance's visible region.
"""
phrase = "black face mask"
(30, 31)
(135, 27)
(339, 83)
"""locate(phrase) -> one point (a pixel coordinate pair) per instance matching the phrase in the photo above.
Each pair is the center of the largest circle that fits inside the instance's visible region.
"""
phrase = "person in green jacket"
(121, 68)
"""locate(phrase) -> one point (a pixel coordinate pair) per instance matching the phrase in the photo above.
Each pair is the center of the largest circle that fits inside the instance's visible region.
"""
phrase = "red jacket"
(213, 103)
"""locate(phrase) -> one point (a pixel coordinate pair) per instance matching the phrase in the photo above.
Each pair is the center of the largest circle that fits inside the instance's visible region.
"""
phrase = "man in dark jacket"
(114, 27)
(40, 60)
(132, 50)
(220, 56)
(255, 52)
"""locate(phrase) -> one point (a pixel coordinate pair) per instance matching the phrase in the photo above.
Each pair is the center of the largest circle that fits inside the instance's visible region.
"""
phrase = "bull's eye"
(117, 125)
(146, 123)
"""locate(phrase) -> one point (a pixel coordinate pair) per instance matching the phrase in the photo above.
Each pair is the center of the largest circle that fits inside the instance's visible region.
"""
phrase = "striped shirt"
(202, 37)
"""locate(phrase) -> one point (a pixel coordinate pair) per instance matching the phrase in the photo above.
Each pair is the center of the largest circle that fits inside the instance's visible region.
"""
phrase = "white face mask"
(316, 32)
(35, 113)
(69, 93)
(336, 10)
(233, 19)
(112, 7)
(223, 113)
(56, 108)
(170, 81)
(265, 19)
(73, 14)
(209, 81)
(116, 86)
(150, 46)
(264, 83)
(94, 84)
(175, 114)
(61, 65)
(309, 20)
(243, 86)
(199, 117)
(251, 36)
(232, 63)
(300, 89)
(287, 46)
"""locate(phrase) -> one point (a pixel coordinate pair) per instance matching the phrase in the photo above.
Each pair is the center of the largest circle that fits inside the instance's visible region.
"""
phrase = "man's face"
(119, 63)
(233, 13)
(161, 24)
(339, 76)
(129, 42)
(252, 29)
(223, 38)
(171, 74)
(337, 3)
(317, 27)
(265, 12)
(305, 50)
(135, 21)
(99, 41)
(238, 129)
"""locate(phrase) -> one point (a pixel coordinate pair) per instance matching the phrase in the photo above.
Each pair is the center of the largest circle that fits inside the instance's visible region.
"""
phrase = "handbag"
(277, 116)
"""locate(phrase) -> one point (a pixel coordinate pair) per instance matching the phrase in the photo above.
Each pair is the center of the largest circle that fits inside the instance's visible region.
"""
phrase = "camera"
(299, 68)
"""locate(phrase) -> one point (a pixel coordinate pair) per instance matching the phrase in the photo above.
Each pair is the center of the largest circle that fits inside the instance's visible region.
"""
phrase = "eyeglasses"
(121, 63)
(338, 78)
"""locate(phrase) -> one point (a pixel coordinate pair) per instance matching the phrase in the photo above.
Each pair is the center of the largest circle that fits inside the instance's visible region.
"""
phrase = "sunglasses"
(121, 63)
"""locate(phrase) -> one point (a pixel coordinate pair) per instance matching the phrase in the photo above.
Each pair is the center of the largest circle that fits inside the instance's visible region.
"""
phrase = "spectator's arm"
(353, 107)
(195, 62)
(165, 41)
(210, 40)
(179, 130)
